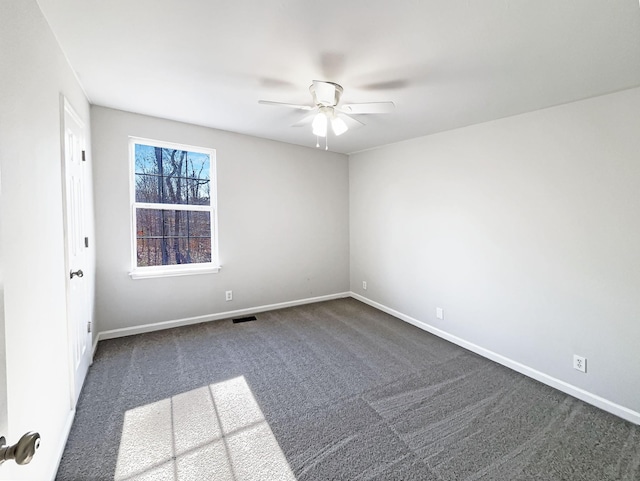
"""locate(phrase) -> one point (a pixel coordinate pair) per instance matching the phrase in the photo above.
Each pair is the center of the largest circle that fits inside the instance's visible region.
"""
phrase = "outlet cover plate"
(439, 313)
(228, 296)
(580, 363)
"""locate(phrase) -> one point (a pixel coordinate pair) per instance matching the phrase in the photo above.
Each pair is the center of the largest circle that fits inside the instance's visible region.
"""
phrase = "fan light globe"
(320, 125)
(339, 126)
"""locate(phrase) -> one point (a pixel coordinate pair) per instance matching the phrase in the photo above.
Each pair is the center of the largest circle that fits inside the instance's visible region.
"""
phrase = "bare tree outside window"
(172, 206)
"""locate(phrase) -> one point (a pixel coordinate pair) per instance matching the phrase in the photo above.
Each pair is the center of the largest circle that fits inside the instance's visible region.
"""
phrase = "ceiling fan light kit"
(326, 96)
(323, 117)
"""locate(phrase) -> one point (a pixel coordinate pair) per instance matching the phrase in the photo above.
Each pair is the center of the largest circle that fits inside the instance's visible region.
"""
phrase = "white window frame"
(178, 269)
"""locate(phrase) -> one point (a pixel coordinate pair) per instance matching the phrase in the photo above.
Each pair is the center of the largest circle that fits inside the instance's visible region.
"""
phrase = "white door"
(78, 305)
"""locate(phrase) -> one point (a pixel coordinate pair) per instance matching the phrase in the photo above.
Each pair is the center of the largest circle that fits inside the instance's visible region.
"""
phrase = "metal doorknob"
(22, 452)
(78, 273)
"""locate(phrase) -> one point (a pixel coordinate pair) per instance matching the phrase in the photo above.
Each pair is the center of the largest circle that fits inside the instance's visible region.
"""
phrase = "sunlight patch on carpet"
(213, 432)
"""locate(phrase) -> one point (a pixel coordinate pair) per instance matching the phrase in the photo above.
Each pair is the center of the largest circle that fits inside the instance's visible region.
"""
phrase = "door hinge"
(88, 326)
(86, 242)
(84, 157)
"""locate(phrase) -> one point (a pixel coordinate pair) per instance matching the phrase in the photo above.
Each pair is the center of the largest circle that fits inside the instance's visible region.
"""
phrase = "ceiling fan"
(325, 111)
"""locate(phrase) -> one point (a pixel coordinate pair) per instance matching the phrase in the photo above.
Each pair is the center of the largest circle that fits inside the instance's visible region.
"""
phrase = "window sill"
(148, 273)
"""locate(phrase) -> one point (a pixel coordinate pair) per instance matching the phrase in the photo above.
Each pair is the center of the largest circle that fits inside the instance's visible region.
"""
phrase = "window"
(173, 215)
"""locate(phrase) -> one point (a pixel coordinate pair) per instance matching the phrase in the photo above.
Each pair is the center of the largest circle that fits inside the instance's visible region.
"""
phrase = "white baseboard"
(563, 386)
(158, 326)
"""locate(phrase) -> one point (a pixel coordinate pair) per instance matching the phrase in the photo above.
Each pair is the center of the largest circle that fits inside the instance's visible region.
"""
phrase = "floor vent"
(245, 319)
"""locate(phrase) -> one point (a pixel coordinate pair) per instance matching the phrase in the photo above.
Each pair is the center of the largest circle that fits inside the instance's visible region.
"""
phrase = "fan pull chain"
(326, 142)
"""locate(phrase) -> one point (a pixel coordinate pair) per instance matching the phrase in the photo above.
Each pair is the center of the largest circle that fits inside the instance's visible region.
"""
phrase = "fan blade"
(325, 92)
(281, 104)
(351, 122)
(306, 120)
(368, 108)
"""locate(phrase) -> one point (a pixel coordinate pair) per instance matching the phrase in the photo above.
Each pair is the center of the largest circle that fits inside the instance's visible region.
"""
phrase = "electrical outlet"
(364, 285)
(580, 363)
(228, 296)
(439, 313)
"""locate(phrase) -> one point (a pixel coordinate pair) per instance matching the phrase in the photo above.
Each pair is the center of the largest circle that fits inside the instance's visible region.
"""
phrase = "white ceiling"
(445, 63)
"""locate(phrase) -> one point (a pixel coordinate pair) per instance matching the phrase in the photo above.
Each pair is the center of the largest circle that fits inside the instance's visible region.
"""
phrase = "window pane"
(147, 188)
(169, 237)
(145, 159)
(171, 176)
(198, 179)
(198, 191)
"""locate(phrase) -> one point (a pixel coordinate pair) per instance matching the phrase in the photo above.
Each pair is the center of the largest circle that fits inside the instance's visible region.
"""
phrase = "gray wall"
(283, 224)
(525, 230)
(34, 73)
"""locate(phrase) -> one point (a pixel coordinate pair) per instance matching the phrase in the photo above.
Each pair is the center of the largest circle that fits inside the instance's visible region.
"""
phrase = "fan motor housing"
(323, 98)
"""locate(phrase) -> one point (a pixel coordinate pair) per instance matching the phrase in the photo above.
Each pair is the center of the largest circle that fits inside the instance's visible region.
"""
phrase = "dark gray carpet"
(348, 392)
